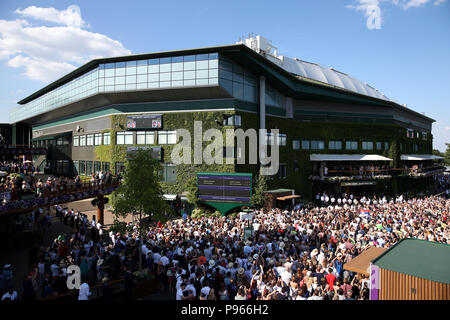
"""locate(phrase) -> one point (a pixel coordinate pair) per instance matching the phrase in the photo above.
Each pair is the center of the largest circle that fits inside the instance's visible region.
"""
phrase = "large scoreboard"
(225, 187)
(153, 121)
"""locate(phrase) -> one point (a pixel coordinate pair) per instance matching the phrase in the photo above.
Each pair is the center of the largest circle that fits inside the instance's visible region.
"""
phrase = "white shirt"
(12, 296)
(84, 292)
(205, 290)
(165, 261)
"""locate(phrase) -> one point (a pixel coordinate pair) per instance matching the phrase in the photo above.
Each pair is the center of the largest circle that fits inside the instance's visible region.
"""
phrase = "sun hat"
(241, 270)
(255, 256)
(281, 244)
(100, 262)
(250, 260)
(230, 265)
(212, 263)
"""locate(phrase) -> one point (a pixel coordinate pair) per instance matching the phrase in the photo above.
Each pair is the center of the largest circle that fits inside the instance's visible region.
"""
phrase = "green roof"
(419, 258)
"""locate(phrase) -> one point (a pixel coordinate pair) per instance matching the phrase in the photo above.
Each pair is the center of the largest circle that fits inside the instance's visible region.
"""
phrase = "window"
(270, 139)
(424, 135)
(351, 145)
(169, 173)
(379, 145)
(89, 168)
(295, 144)
(145, 137)
(76, 141)
(98, 139)
(97, 166)
(305, 144)
(76, 167)
(120, 167)
(82, 141)
(90, 140)
(62, 141)
(106, 138)
(82, 167)
(124, 137)
(367, 145)
(335, 145)
(282, 139)
(296, 167)
(416, 147)
(386, 146)
(410, 133)
(167, 137)
(317, 145)
(105, 166)
(232, 120)
(282, 170)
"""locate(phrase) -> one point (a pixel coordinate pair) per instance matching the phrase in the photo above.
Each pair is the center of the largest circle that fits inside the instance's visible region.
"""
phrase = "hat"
(100, 262)
(241, 270)
(272, 262)
(281, 244)
(250, 260)
(230, 265)
(105, 279)
(255, 256)
(6, 266)
(212, 263)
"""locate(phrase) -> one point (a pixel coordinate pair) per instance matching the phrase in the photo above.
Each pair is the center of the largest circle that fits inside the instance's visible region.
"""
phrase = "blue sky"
(400, 47)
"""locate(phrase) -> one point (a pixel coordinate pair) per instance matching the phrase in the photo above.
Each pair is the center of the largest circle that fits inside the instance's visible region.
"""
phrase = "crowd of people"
(291, 255)
(16, 166)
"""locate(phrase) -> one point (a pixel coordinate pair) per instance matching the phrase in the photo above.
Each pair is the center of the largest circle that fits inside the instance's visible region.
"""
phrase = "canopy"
(52, 136)
(292, 196)
(417, 157)
(361, 263)
(347, 157)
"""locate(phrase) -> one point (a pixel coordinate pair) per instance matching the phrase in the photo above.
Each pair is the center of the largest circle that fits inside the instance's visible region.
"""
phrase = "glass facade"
(239, 82)
(181, 71)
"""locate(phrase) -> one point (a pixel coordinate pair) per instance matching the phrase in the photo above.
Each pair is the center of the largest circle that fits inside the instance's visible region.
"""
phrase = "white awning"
(417, 157)
(347, 157)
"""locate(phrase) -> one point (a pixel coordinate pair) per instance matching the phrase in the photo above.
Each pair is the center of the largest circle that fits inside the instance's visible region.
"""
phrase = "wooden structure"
(361, 263)
(413, 269)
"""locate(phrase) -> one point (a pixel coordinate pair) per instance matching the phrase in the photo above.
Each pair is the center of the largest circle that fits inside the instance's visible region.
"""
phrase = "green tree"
(192, 194)
(140, 192)
(447, 155)
(258, 198)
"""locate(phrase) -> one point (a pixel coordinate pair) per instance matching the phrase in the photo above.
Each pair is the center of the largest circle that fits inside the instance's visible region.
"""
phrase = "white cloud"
(47, 53)
(69, 17)
(372, 9)
(438, 2)
(447, 128)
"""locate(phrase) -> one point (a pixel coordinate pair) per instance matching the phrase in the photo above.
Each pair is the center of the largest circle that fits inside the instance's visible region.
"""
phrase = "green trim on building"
(419, 258)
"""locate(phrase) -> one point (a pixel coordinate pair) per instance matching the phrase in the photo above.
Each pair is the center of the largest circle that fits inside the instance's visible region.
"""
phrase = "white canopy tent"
(347, 157)
(418, 157)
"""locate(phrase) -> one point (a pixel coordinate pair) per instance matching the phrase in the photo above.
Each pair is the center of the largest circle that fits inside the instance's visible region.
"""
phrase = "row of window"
(410, 134)
(88, 168)
(96, 139)
(337, 145)
(125, 138)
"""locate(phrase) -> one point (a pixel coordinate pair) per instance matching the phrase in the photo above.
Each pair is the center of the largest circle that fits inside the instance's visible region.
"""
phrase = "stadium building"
(336, 132)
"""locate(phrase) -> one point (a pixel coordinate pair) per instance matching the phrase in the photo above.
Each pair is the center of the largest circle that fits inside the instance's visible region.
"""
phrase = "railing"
(49, 198)
(376, 171)
(338, 175)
